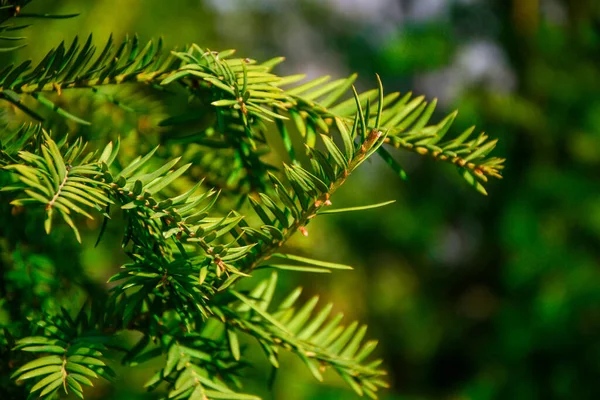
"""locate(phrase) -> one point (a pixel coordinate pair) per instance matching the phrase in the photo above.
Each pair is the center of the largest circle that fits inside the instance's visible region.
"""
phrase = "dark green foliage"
(12, 10)
(74, 354)
(511, 312)
(192, 243)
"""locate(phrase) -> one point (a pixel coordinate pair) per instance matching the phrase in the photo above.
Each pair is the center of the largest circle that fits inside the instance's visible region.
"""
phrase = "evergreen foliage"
(198, 219)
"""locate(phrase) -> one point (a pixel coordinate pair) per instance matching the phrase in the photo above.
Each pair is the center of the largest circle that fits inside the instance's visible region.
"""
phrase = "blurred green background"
(471, 297)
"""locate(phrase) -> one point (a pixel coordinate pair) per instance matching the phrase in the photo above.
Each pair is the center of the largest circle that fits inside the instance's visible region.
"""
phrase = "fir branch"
(244, 91)
(62, 183)
(319, 201)
(10, 9)
(198, 367)
(179, 289)
(71, 353)
(320, 344)
(24, 138)
(254, 246)
(312, 107)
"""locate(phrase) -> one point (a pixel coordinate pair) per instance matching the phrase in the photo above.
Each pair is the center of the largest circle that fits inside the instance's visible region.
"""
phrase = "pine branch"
(72, 68)
(244, 91)
(179, 290)
(196, 367)
(22, 139)
(153, 221)
(10, 9)
(313, 109)
(312, 193)
(319, 344)
(75, 67)
(71, 353)
(406, 122)
(62, 182)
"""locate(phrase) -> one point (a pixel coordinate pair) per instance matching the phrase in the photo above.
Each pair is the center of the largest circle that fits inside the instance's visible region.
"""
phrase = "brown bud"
(16, 210)
(374, 135)
(57, 87)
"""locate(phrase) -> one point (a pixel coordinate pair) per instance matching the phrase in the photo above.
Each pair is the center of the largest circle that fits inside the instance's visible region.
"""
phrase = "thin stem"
(320, 202)
(58, 192)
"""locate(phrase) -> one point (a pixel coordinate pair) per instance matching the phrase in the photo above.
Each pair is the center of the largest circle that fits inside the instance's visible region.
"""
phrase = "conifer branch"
(242, 90)
(14, 9)
(186, 254)
(322, 200)
(61, 184)
(319, 343)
